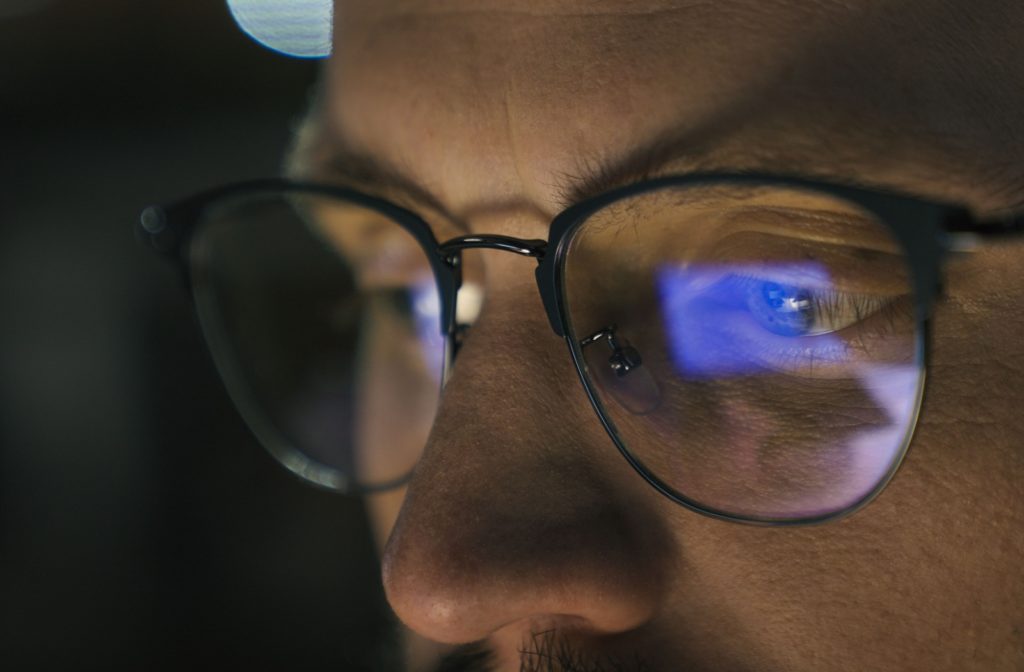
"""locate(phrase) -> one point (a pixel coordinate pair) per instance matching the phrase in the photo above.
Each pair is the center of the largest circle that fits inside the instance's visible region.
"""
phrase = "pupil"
(783, 309)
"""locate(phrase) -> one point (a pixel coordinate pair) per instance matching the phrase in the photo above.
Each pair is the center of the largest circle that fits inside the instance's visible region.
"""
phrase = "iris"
(782, 309)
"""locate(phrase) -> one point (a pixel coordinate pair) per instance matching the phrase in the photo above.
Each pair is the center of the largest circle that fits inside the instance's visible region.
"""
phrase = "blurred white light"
(300, 28)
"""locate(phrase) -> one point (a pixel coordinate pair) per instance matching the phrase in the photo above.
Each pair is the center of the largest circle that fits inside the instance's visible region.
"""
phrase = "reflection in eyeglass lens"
(777, 326)
(324, 317)
(723, 320)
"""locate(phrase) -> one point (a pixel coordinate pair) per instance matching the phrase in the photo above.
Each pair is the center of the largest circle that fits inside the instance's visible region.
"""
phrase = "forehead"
(496, 103)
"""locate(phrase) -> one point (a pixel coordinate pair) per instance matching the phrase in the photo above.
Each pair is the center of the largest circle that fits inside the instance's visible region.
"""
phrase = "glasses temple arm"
(962, 222)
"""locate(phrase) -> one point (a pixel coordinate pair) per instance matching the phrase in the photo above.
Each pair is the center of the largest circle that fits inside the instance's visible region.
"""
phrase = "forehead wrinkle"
(835, 134)
(455, 106)
(672, 152)
(531, 86)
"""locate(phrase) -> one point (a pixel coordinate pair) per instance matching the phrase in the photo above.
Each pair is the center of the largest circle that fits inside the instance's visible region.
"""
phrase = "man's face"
(521, 517)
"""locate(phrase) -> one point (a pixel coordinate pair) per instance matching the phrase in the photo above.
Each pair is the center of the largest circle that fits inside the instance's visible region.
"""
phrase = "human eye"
(374, 348)
(771, 337)
(796, 311)
(404, 319)
(741, 319)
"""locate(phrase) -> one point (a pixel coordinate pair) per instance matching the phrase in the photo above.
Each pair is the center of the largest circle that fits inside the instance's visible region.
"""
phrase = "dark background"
(140, 523)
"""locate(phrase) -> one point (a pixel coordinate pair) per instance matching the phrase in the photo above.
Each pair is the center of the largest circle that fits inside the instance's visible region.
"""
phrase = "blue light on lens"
(782, 309)
(300, 28)
(426, 310)
(732, 320)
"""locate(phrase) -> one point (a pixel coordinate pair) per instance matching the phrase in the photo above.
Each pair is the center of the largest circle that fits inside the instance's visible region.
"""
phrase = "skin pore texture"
(521, 516)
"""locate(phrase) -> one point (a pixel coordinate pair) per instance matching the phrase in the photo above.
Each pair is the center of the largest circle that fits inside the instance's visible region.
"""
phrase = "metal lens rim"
(921, 338)
(211, 324)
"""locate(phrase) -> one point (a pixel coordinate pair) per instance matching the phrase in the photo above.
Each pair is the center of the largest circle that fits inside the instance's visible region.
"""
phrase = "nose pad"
(621, 374)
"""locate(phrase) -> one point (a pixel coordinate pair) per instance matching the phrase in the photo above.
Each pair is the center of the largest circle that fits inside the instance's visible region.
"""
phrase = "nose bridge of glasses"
(452, 249)
(526, 248)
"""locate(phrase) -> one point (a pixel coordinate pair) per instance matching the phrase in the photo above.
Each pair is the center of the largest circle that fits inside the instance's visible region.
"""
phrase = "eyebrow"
(594, 176)
(601, 175)
(680, 151)
(675, 150)
(373, 173)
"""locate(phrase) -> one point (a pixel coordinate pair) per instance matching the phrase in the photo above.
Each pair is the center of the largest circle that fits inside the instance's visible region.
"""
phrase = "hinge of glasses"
(965, 234)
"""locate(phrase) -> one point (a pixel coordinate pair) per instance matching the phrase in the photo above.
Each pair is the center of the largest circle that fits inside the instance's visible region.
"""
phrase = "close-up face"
(522, 530)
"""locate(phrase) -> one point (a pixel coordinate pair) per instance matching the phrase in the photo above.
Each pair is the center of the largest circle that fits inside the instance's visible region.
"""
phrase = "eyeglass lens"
(324, 319)
(754, 348)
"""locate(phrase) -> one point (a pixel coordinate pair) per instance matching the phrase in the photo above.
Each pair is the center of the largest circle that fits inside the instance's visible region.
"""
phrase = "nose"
(521, 511)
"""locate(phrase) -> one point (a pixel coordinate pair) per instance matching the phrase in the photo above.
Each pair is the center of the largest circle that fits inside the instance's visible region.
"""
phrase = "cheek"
(972, 428)
(932, 565)
(760, 443)
(398, 397)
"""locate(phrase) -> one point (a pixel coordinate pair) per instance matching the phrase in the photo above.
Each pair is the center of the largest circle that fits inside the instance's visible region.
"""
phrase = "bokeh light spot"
(300, 28)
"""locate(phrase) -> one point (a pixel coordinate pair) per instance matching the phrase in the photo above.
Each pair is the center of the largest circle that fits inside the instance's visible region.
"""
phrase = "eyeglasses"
(755, 346)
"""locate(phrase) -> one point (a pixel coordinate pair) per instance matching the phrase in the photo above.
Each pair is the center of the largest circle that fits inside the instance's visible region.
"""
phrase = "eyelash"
(717, 331)
(827, 307)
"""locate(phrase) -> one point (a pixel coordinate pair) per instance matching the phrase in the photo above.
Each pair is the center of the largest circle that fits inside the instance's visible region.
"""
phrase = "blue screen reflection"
(743, 319)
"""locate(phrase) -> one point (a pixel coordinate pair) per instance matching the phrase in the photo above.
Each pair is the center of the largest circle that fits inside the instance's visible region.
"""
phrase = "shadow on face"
(520, 515)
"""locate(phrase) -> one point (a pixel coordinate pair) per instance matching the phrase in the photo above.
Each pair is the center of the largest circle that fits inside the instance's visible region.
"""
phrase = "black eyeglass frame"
(927, 231)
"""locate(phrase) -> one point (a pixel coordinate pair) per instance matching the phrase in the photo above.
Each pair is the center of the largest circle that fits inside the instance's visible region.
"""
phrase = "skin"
(521, 516)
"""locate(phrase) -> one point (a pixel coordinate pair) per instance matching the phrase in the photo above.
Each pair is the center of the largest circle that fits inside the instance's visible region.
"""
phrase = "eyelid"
(821, 226)
(826, 300)
(843, 267)
(379, 252)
